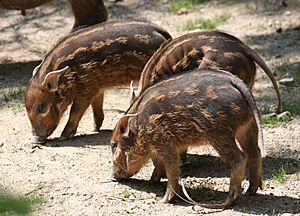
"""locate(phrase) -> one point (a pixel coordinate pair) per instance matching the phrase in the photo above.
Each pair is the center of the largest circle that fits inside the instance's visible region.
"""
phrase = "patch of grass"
(207, 23)
(293, 107)
(280, 175)
(13, 94)
(125, 193)
(264, 109)
(176, 5)
(18, 204)
(269, 120)
(285, 66)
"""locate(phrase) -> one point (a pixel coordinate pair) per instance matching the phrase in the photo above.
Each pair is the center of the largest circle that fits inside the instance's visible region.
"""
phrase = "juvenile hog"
(184, 110)
(208, 49)
(81, 66)
(86, 12)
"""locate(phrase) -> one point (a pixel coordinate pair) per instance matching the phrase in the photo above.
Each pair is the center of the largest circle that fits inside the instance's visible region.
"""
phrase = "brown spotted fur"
(168, 117)
(99, 57)
(207, 49)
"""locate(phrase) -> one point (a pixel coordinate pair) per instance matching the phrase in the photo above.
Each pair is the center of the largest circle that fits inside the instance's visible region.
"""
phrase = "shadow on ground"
(277, 44)
(16, 74)
(204, 166)
(95, 139)
(257, 204)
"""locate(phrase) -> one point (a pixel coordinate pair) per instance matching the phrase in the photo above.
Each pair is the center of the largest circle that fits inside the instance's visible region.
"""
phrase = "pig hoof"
(251, 191)
(168, 196)
(66, 136)
(38, 140)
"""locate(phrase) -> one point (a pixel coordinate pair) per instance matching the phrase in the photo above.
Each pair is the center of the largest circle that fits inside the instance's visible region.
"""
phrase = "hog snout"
(118, 174)
(38, 140)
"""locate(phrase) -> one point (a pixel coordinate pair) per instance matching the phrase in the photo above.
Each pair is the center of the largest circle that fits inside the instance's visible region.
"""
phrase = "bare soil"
(74, 176)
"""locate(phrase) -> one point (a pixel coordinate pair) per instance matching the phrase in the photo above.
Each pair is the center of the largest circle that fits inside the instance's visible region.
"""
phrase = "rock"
(183, 11)
(288, 81)
(285, 116)
(288, 13)
(269, 115)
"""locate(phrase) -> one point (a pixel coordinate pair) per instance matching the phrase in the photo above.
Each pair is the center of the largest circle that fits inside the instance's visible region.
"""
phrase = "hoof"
(38, 140)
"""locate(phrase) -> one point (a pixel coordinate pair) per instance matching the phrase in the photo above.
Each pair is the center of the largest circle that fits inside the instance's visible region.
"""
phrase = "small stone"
(183, 11)
(285, 116)
(279, 30)
(152, 195)
(286, 214)
(288, 13)
(288, 81)
(270, 115)
(277, 56)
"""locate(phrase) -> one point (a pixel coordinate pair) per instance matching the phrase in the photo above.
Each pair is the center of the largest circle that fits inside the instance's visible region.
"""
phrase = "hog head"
(43, 105)
(122, 142)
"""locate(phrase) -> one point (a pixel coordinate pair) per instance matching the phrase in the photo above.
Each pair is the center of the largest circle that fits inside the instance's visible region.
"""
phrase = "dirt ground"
(73, 176)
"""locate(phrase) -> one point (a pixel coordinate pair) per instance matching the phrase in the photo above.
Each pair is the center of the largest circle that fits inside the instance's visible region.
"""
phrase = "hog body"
(81, 66)
(192, 109)
(86, 12)
(208, 49)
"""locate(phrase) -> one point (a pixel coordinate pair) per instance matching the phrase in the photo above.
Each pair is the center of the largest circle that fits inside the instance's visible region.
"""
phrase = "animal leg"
(229, 151)
(171, 163)
(77, 110)
(247, 136)
(97, 105)
(159, 170)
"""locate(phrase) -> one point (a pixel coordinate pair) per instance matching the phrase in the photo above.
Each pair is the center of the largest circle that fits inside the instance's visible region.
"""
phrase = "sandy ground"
(74, 176)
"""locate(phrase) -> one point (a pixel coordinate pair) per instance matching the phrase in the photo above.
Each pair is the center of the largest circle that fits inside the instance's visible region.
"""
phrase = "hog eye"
(113, 146)
(41, 108)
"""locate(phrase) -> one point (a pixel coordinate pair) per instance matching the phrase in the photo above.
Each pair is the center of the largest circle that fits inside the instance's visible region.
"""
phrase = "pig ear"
(127, 124)
(51, 80)
(132, 94)
(36, 69)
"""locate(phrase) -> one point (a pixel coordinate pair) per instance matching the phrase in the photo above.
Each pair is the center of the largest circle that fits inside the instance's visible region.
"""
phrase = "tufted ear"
(36, 69)
(132, 94)
(128, 123)
(51, 80)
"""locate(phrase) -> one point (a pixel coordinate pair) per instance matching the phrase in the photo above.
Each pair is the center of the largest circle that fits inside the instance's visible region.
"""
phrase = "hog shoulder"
(106, 55)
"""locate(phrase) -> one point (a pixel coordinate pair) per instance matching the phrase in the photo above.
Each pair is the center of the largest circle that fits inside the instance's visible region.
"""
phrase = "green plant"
(280, 175)
(18, 204)
(264, 109)
(13, 94)
(293, 107)
(125, 193)
(176, 5)
(270, 120)
(207, 23)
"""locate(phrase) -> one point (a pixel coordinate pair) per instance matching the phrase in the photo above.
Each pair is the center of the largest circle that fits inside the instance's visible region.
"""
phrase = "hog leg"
(159, 170)
(229, 152)
(97, 105)
(77, 110)
(247, 137)
(171, 163)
